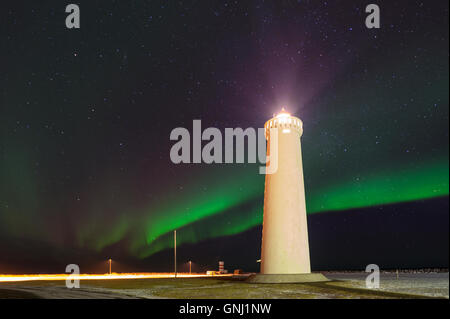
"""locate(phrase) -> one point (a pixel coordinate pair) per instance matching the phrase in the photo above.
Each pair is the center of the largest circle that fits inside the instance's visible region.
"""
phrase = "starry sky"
(86, 115)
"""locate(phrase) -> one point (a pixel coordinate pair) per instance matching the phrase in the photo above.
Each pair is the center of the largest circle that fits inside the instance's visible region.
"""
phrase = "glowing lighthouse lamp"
(285, 247)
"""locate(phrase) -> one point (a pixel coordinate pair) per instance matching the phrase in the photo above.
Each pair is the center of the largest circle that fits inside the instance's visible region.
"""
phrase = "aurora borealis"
(86, 115)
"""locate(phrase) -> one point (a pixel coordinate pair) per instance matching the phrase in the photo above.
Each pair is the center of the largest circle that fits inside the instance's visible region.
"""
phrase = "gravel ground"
(342, 286)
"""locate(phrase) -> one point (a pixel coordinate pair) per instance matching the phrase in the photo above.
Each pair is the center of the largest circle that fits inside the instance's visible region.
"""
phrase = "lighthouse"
(285, 248)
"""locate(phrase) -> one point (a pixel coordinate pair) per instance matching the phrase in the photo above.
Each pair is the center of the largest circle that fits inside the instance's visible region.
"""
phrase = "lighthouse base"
(286, 278)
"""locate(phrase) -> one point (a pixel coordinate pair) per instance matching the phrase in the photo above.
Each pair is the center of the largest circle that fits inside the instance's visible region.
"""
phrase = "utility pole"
(175, 251)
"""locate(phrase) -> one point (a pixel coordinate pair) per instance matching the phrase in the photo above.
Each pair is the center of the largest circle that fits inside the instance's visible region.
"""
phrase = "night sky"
(86, 115)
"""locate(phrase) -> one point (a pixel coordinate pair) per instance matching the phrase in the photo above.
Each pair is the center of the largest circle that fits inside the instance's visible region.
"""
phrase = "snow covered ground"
(431, 284)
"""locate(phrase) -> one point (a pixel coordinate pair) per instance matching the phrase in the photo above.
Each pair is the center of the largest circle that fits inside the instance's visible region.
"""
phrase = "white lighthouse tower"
(285, 247)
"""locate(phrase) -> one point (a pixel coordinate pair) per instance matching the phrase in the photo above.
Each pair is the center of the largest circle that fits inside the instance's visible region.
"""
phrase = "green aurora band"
(231, 216)
(228, 205)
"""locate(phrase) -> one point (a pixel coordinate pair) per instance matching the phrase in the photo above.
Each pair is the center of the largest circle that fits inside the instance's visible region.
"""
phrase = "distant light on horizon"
(54, 277)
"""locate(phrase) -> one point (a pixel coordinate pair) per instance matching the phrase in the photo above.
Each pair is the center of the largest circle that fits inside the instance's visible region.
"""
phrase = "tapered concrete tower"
(285, 247)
